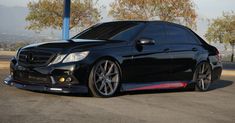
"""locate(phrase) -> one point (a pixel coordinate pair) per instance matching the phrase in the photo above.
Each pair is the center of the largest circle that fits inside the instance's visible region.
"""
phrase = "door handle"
(194, 49)
(166, 50)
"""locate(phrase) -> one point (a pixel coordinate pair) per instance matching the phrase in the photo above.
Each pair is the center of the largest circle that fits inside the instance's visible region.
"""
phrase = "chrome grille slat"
(39, 57)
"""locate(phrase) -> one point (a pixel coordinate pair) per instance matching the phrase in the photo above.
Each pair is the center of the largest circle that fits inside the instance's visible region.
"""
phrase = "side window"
(129, 33)
(156, 32)
(193, 37)
(179, 35)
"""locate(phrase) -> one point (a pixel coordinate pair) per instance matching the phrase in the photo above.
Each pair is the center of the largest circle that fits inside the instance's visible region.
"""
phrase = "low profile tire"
(202, 77)
(104, 79)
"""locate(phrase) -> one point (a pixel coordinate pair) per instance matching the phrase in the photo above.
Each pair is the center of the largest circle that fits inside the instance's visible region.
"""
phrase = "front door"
(151, 57)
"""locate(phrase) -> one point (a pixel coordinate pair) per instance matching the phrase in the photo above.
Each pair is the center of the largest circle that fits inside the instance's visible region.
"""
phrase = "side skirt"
(154, 85)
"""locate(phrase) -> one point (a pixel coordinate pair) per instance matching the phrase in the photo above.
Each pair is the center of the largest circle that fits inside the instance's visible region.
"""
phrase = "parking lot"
(214, 106)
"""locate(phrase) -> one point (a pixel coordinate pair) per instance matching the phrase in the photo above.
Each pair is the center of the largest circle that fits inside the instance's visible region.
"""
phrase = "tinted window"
(128, 34)
(198, 39)
(179, 35)
(112, 31)
(155, 31)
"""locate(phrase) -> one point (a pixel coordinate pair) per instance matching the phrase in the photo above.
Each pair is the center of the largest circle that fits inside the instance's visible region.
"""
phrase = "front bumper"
(48, 78)
(55, 89)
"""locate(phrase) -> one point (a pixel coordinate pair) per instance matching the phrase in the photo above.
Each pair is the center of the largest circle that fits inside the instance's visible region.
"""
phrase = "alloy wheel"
(203, 76)
(106, 77)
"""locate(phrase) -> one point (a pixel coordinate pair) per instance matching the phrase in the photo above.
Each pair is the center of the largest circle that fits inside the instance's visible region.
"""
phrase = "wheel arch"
(91, 86)
(200, 62)
(115, 60)
(201, 59)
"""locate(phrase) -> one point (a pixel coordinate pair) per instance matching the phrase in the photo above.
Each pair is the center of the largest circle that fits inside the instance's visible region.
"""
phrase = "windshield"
(125, 31)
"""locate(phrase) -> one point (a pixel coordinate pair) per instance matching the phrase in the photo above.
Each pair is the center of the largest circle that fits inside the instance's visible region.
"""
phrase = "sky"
(205, 8)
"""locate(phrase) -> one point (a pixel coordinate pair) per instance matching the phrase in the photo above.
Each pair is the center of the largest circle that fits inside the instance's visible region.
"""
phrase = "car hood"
(72, 44)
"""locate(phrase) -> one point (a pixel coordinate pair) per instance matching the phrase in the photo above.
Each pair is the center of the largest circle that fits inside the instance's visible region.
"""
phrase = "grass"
(8, 53)
(4, 65)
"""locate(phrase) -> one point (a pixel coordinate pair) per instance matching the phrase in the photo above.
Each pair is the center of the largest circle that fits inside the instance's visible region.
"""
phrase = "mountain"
(4, 37)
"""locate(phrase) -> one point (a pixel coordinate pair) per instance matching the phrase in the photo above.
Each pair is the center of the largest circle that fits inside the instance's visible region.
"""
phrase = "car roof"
(152, 21)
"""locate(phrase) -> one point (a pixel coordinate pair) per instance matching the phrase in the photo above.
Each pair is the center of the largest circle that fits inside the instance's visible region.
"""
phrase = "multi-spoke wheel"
(104, 78)
(202, 76)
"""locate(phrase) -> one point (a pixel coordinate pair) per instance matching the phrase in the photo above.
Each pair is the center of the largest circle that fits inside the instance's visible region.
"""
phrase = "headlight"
(58, 59)
(18, 53)
(77, 56)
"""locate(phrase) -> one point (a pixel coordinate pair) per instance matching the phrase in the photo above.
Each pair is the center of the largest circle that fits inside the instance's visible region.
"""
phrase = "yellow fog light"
(62, 79)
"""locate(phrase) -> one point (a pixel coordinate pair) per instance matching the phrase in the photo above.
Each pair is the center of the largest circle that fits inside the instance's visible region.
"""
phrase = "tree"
(49, 14)
(222, 30)
(180, 11)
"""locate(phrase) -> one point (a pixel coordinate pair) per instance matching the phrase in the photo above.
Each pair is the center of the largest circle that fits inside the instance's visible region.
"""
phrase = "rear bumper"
(216, 73)
(216, 66)
(54, 89)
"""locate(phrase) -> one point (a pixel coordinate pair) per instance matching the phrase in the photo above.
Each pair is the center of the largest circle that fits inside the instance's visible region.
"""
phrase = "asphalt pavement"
(214, 106)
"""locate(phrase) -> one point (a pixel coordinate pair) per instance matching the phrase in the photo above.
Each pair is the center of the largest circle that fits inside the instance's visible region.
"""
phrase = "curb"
(228, 73)
(4, 64)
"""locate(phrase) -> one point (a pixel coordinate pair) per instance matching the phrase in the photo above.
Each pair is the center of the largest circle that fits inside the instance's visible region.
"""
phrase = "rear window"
(179, 35)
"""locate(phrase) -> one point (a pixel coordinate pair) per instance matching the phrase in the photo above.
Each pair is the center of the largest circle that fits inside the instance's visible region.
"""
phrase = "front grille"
(26, 77)
(35, 57)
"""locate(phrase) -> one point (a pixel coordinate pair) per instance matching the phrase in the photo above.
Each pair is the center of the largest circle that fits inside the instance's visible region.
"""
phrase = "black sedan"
(118, 56)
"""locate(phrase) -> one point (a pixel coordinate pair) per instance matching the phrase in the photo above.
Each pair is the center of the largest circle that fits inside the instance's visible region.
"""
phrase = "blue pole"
(66, 21)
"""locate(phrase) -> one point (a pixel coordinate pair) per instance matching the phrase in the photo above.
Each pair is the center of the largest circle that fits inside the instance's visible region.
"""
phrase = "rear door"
(152, 63)
(184, 48)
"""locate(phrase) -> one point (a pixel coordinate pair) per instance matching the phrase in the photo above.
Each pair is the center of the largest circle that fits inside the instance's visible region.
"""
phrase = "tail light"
(218, 56)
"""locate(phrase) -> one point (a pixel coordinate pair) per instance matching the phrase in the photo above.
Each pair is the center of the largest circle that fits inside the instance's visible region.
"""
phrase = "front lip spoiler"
(72, 89)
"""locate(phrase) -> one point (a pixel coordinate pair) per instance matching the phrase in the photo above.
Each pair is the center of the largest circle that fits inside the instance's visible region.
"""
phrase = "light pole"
(232, 43)
(66, 21)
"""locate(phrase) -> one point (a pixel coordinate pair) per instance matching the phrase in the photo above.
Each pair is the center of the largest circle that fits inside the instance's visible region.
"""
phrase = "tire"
(104, 79)
(202, 77)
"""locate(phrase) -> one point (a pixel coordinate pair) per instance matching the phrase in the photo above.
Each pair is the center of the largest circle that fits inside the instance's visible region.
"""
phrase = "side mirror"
(145, 41)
